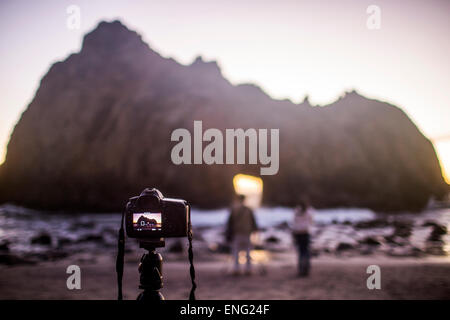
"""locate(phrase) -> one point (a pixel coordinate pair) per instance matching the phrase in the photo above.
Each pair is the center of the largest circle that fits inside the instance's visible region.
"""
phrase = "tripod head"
(152, 244)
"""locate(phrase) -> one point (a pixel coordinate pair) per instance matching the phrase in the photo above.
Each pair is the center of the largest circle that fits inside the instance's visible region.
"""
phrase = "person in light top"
(301, 227)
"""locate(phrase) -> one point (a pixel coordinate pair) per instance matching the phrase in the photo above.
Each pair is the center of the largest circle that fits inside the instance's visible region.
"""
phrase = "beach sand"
(331, 278)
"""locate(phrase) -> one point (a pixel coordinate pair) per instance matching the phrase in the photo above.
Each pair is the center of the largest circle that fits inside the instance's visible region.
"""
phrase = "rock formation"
(98, 131)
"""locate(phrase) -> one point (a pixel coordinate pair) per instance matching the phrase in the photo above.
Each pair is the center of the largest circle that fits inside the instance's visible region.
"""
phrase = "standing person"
(241, 224)
(303, 220)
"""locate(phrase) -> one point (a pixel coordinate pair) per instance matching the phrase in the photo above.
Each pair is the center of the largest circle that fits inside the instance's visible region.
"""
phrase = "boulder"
(43, 239)
(176, 247)
(91, 238)
(4, 245)
(371, 224)
(402, 229)
(12, 259)
(272, 239)
(438, 230)
(344, 246)
(371, 241)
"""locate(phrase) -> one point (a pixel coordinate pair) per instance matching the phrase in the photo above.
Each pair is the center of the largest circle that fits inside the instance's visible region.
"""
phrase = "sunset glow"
(250, 186)
(443, 152)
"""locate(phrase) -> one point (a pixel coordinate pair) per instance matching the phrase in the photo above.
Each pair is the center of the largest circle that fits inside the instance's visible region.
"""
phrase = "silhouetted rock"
(435, 248)
(82, 225)
(4, 245)
(272, 239)
(12, 259)
(370, 241)
(197, 235)
(343, 246)
(221, 248)
(176, 247)
(98, 131)
(51, 255)
(406, 251)
(91, 238)
(437, 232)
(282, 226)
(259, 247)
(64, 241)
(402, 229)
(390, 239)
(430, 223)
(370, 224)
(366, 250)
(42, 238)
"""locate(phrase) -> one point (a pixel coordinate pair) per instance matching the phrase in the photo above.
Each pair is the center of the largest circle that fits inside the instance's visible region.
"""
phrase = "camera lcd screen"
(147, 221)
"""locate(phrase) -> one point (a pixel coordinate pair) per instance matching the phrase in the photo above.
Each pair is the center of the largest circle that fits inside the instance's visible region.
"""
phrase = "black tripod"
(150, 270)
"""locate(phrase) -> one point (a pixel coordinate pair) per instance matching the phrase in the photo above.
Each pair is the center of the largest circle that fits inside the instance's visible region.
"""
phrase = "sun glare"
(246, 184)
(251, 187)
(443, 152)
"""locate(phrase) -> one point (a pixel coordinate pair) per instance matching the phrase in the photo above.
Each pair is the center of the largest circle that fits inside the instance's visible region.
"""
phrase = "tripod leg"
(151, 279)
(150, 295)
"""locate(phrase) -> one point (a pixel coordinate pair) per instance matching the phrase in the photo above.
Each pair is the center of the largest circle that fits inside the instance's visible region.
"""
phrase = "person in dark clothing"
(241, 224)
(303, 220)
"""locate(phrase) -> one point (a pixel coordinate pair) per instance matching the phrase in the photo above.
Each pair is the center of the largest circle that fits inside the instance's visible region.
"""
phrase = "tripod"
(150, 270)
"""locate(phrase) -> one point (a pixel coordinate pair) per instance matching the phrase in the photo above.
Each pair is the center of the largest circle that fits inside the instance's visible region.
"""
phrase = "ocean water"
(270, 217)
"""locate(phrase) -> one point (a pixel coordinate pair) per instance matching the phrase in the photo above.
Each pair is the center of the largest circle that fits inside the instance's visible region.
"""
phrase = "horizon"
(412, 43)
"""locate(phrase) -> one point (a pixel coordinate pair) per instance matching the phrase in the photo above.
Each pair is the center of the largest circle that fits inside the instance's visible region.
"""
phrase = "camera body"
(151, 216)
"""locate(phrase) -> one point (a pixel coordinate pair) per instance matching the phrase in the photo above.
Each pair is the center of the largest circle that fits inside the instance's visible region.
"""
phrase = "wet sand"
(331, 278)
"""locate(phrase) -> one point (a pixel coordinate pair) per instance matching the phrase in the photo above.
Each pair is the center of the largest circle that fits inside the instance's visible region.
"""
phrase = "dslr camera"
(150, 216)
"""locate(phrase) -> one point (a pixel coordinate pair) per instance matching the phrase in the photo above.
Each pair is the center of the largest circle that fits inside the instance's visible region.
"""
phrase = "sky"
(289, 48)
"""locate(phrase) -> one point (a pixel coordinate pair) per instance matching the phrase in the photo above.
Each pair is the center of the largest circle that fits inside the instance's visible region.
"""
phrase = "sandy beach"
(331, 278)
(411, 250)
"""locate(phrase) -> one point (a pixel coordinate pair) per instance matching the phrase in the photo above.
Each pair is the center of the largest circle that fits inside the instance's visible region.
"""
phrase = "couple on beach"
(241, 224)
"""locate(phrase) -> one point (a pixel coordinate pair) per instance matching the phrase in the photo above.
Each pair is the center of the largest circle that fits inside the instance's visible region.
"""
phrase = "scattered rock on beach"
(11, 259)
(4, 246)
(91, 238)
(197, 235)
(259, 247)
(370, 224)
(220, 248)
(371, 241)
(176, 247)
(437, 232)
(344, 246)
(82, 225)
(366, 250)
(272, 239)
(110, 231)
(64, 241)
(282, 226)
(435, 248)
(406, 251)
(51, 255)
(431, 223)
(43, 238)
(395, 240)
(315, 253)
(403, 229)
